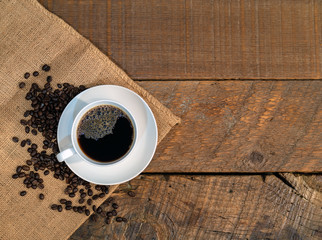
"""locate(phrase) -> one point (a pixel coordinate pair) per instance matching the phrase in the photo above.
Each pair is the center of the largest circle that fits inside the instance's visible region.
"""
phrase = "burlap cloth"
(29, 37)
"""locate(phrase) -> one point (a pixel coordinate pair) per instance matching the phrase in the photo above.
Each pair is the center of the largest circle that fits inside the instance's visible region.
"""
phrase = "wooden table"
(245, 77)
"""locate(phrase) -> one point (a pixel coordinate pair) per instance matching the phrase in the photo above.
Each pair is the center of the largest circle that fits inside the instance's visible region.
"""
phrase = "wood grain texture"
(212, 207)
(244, 126)
(89, 18)
(212, 39)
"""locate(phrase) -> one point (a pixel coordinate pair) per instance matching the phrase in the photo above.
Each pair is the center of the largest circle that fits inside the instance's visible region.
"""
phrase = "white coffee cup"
(68, 153)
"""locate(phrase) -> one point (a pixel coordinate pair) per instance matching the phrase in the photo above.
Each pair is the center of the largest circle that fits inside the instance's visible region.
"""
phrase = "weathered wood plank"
(244, 126)
(213, 39)
(89, 18)
(212, 207)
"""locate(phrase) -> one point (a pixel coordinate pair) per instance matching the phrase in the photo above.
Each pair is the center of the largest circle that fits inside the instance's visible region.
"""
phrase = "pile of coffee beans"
(46, 106)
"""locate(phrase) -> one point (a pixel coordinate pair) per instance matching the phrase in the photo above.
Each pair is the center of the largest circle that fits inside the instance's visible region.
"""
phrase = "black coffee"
(105, 133)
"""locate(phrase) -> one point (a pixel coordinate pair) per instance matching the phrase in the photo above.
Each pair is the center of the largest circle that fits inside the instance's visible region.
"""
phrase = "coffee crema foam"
(99, 121)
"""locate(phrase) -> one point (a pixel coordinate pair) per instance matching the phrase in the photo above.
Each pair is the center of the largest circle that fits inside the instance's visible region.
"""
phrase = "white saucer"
(141, 154)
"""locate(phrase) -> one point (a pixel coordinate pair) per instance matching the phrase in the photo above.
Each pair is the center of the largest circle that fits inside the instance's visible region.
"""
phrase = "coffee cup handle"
(64, 155)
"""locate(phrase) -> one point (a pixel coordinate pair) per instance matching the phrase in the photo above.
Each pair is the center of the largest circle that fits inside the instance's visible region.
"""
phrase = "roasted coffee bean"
(119, 219)
(28, 96)
(23, 122)
(29, 162)
(25, 168)
(68, 207)
(98, 187)
(63, 201)
(15, 176)
(34, 86)
(124, 219)
(33, 153)
(47, 105)
(87, 212)
(22, 85)
(34, 146)
(46, 68)
(99, 210)
(68, 203)
(59, 208)
(79, 209)
(26, 75)
(71, 195)
(89, 192)
(15, 139)
(101, 195)
(114, 212)
(94, 217)
(89, 202)
(22, 174)
(27, 129)
(107, 220)
(23, 143)
(115, 206)
(35, 73)
(59, 85)
(41, 196)
(109, 214)
(94, 208)
(18, 169)
(81, 200)
(131, 193)
(54, 206)
(28, 141)
(110, 199)
(95, 197)
(23, 193)
(41, 186)
(83, 195)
